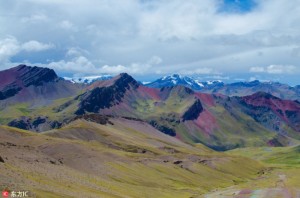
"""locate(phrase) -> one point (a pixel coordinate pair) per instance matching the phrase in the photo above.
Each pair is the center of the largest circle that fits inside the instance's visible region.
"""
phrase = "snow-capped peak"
(210, 82)
(172, 77)
(199, 83)
(176, 79)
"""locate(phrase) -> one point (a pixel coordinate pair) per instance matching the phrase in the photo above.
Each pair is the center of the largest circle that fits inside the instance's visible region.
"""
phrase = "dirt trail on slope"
(278, 189)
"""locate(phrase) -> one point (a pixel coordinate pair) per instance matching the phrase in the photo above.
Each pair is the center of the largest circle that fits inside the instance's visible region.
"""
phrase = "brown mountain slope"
(33, 85)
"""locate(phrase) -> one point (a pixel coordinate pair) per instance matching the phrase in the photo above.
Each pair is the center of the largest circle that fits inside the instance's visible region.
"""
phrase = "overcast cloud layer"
(150, 38)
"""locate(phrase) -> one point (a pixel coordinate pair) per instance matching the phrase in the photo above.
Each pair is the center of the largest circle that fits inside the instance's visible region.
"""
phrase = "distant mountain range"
(176, 79)
(233, 89)
(36, 99)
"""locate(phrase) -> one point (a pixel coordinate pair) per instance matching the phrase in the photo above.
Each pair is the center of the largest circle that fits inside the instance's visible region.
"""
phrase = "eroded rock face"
(9, 91)
(99, 98)
(37, 124)
(13, 80)
(36, 75)
(97, 118)
(106, 97)
(164, 129)
(293, 116)
(20, 123)
(272, 112)
(193, 112)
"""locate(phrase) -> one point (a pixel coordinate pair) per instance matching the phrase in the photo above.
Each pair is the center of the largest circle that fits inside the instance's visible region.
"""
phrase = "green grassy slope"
(126, 159)
(279, 179)
(287, 156)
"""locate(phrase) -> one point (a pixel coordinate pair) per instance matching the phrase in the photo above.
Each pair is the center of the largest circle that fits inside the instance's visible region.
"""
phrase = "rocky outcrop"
(164, 129)
(20, 123)
(97, 118)
(13, 80)
(193, 112)
(9, 91)
(106, 97)
(293, 117)
(37, 124)
(99, 98)
(272, 112)
(1, 160)
(36, 75)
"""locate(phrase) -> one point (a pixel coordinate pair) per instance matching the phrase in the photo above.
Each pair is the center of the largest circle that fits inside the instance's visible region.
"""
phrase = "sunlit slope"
(124, 159)
(279, 179)
(287, 156)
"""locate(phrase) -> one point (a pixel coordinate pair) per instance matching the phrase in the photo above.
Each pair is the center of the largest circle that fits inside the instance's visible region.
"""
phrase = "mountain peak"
(172, 76)
(125, 79)
(23, 75)
(106, 94)
(177, 79)
(262, 94)
(25, 79)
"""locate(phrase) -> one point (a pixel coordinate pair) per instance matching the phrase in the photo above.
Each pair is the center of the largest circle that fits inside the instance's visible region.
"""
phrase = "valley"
(126, 159)
(149, 99)
(118, 138)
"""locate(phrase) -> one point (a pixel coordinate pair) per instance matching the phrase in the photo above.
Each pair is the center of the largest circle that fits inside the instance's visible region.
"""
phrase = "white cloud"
(203, 70)
(218, 77)
(114, 69)
(257, 69)
(76, 51)
(78, 64)
(81, 64)
(275, 69)
(189, 36)
(281, 69)
(8, 48)
(36, 18)
(133, 68)
(155, 60)
(67, 25)
(35, 46)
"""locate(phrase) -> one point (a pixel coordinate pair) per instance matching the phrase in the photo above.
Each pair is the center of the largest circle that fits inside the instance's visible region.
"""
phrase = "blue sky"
(230, 40)
(238, 6)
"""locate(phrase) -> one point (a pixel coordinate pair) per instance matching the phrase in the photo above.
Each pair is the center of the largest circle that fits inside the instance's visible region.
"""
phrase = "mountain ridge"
(231, 89)
(32, 83)
(218, 121)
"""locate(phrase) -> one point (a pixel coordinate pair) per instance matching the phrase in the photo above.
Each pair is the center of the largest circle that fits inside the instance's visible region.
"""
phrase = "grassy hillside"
(281, 156)
(279, 179)
(124, 159)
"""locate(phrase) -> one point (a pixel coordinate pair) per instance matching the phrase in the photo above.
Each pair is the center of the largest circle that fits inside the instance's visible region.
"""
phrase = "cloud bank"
(207, 37)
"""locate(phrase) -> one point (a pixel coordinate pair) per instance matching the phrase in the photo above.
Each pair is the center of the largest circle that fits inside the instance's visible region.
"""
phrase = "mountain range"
(44, 101)
(116, 137)
(231, 89)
